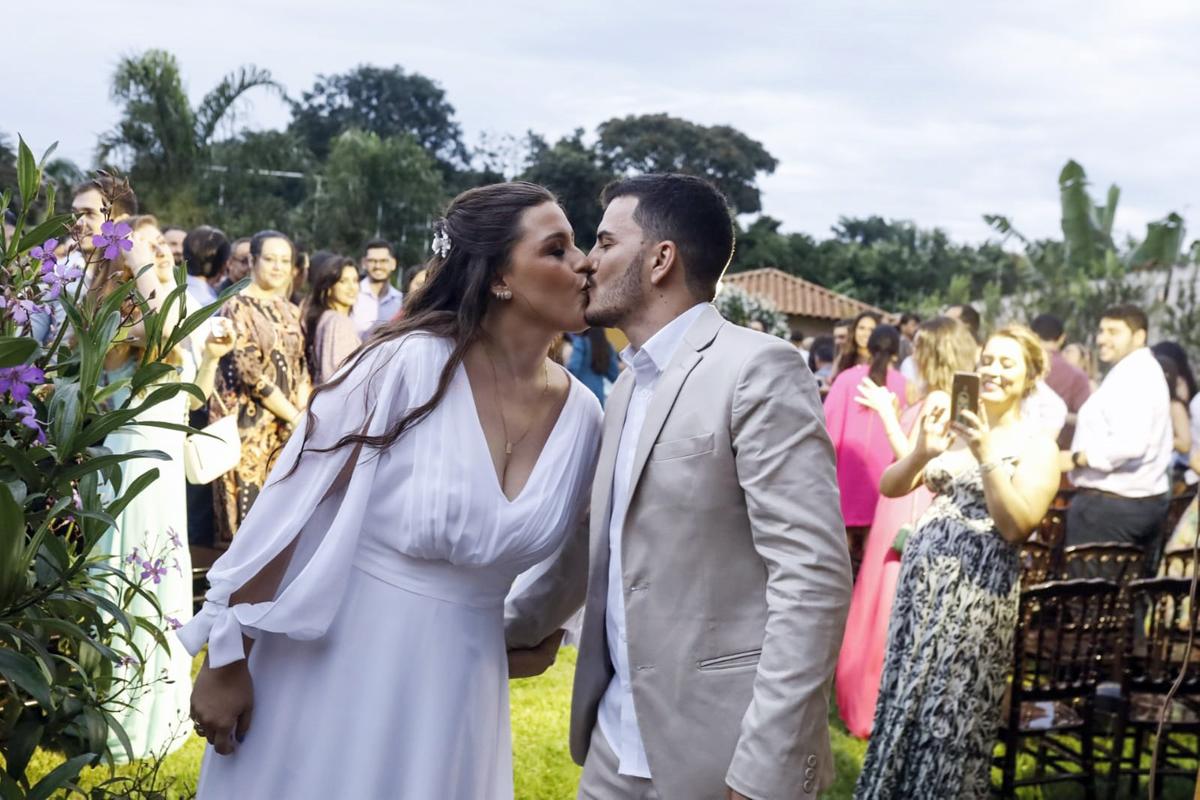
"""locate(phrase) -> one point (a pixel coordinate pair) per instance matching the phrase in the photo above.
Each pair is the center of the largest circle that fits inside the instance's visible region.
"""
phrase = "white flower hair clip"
(441, 239)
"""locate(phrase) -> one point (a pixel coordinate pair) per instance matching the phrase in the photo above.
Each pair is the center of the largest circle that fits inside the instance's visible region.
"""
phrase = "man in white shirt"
(718, 577)
(378, 301)
(1121, 451)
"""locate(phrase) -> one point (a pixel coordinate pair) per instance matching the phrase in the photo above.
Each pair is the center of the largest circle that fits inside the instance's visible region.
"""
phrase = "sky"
(935, 112)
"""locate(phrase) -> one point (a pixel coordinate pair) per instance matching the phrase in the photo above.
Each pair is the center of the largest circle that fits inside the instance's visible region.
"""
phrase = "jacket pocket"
(747, 658)
(682, 448)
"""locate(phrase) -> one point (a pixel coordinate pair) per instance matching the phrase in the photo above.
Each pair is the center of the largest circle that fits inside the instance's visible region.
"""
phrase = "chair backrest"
(1178, 563)
(1035, 562)
(1069, 635)
(1115, 561)
(1154, 663)
(1175, 511)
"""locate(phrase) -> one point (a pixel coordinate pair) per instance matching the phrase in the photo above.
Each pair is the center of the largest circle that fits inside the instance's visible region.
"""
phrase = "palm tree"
(161, 141)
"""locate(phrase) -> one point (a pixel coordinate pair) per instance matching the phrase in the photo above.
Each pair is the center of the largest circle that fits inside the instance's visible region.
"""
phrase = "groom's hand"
(526, 663)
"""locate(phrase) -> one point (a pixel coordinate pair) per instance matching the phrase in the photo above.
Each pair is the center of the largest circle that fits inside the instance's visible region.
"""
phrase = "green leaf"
(102, 462)
(28, 175)
(65, 417)
(9, 788)
(133, 490)
(52, 228)
(12, 544)
(16, 350)
(26, 673)
(60, 776)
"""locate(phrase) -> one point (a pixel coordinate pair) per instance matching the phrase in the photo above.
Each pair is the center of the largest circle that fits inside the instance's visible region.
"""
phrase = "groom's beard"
(609, 308)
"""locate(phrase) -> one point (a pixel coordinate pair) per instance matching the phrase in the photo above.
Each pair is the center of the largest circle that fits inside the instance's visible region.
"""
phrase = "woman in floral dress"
(264, 380)
(950, 640)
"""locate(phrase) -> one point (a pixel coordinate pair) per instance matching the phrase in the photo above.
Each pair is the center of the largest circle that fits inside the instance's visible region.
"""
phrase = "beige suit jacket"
(736, 574)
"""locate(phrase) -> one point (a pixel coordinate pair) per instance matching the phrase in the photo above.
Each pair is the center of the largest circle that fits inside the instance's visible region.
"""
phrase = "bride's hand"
(222, 702)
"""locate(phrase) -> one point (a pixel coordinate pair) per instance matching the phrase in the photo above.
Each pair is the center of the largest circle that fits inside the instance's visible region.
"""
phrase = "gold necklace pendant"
(508, 448)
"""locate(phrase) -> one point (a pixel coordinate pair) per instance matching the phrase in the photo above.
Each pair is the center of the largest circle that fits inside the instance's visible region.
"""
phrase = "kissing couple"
(359, 629)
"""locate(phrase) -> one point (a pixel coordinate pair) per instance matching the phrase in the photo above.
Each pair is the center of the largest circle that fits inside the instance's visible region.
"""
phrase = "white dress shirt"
(370, 310)
(617, 719)
(1045, 409)
(1124, 431)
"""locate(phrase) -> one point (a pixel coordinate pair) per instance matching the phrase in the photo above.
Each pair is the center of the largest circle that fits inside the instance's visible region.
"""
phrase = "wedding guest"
(859, 438)
(239, 263)
(264, 380)
(966, 313)
(414, 278)
(1184, 386)
(1079, 356)
(146, 538)
(329, 333)
(1181, 428)
(298, 286)
(854, 352)
(378, 300)
(941, 347)
(1045, 409)
(1121, 452)
(820, 360)
(1067, 380)
(949, 651)
(593, 360)
(841, 333)
(205, 254)
(174, 236)
(909, 323)
(797, 338)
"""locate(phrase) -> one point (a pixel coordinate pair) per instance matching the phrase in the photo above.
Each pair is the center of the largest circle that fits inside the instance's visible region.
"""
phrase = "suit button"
(812, 761)
(807, 787)
(810, 773)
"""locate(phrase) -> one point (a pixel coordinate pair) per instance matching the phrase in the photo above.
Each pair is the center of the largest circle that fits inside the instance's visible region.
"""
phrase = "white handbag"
(206, 458)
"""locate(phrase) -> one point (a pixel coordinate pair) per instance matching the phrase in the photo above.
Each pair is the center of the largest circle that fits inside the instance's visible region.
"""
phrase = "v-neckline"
(498, 480)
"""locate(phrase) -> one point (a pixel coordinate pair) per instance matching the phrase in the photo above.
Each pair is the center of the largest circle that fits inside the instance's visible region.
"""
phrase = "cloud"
(928, 111)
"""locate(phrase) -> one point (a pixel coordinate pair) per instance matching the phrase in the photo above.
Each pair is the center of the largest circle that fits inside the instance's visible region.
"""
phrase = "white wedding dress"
(379, 669)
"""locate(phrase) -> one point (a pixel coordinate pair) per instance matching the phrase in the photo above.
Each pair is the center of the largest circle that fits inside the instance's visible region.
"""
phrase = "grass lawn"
(541, 762)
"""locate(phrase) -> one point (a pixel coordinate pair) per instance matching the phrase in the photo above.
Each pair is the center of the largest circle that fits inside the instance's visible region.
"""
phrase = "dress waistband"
(475, 586)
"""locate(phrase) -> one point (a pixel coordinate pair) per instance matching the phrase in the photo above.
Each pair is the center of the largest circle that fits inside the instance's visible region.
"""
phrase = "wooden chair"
(1114, 561)
(1151, 668)
(1036, 559)
(1067, 635)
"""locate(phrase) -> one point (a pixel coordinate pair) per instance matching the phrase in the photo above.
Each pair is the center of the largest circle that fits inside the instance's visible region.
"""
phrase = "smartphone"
(964, 395)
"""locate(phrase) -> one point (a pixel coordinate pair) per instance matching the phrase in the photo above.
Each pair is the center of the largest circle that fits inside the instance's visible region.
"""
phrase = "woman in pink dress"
(859, 437)
(942, 347)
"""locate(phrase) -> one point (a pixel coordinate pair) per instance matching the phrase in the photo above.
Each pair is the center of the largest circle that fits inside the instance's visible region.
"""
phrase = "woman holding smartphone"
(949, 650)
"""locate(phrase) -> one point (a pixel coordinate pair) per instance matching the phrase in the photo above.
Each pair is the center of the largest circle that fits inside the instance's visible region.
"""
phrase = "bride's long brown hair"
(482, 224)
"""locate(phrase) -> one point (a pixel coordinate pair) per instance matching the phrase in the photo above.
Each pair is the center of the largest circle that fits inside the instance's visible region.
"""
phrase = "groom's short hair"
(688, 211)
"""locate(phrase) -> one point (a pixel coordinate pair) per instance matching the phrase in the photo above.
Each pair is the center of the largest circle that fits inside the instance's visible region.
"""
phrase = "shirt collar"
(655, 355)
(364, 286)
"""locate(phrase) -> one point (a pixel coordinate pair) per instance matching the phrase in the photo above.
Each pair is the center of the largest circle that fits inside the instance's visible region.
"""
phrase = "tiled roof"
(793, 295)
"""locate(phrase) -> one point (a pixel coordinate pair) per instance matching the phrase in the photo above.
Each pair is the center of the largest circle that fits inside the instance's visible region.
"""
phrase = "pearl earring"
(503, 294)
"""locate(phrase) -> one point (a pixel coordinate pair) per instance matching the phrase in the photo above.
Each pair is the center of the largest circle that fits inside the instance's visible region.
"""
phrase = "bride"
(355, 627)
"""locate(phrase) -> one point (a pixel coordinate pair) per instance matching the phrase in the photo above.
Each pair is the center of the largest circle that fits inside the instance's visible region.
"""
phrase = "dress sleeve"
(319, 508)
(338, 339)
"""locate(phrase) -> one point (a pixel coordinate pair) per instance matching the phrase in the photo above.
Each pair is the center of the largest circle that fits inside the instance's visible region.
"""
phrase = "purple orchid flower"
(114, 238)
(129, 661)
(45, 254)
(173, 535)
(19, 381)
(133, 557)
(57, 276)
(155, 570)
(174, 623)
(27, 416)
(21, 310)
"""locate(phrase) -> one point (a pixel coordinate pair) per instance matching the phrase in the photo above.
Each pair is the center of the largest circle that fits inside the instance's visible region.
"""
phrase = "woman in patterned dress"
(950, 641)
(264, 380)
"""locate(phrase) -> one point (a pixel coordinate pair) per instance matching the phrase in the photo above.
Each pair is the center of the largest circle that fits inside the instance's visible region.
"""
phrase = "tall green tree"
(661, 143)
(258, 180)
(571, 170)
(161, 141)
(378, 187)
(386, 101)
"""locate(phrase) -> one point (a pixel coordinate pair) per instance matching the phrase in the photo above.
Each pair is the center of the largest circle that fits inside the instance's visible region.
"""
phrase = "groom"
(717, 573)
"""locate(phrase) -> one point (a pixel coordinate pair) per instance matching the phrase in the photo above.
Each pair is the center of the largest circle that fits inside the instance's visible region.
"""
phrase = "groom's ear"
(664, 262)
